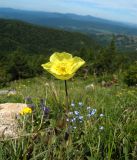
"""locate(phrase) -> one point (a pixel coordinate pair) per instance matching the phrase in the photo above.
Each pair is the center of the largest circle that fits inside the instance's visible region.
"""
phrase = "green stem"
(67, 111)
(67, 98)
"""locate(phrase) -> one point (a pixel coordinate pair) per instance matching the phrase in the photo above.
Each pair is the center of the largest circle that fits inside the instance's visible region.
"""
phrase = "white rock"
(8, 122)
(90, 87)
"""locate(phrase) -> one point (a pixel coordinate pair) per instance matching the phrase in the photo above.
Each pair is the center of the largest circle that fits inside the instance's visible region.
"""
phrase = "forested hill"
(24, 47)
(29, 38)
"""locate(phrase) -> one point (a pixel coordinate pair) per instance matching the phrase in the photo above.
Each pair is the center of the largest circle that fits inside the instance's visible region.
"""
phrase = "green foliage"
(108, 60)
(17, 65)
(4, 76)
(130, 76)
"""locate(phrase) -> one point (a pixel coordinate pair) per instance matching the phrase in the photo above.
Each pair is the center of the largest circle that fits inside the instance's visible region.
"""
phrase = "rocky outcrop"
(8, 122)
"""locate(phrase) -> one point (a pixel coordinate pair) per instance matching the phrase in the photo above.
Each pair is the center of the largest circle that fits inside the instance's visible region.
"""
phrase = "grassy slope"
(117, 139)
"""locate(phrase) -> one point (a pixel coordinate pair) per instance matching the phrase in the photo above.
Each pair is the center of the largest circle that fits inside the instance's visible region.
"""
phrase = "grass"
(103, 128)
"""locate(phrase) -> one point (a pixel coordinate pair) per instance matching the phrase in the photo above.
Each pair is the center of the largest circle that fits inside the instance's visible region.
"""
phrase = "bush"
(130, 77)
(4, 76)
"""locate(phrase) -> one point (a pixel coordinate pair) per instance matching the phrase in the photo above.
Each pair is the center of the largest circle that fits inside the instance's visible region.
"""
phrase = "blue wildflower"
(80, 117)
(93, 112)
(76, 113)
(74, 119)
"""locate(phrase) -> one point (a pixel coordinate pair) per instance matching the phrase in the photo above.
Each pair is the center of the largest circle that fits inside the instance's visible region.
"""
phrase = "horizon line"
(84, 15)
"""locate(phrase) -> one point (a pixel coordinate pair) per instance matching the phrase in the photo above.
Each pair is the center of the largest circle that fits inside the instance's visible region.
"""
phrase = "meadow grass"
(101, 123)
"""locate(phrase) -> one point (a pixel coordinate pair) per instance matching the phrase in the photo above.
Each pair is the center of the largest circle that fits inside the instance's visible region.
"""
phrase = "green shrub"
(4, 76)
(130, 77)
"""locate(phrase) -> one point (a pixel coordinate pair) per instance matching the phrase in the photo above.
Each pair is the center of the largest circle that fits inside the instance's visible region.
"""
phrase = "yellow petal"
(63, 77)
(60, 56)
(77, 63)
(47, 66)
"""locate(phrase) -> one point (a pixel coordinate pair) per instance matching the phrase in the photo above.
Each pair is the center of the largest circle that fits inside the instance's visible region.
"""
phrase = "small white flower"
(67, 119)
(101, 115)
(72, 104)
(74, 127)
(70, 113)
(101, 127)
(80, 104)
(88, 108)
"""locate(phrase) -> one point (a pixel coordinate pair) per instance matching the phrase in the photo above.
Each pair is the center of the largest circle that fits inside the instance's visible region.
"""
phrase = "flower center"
(61, 68)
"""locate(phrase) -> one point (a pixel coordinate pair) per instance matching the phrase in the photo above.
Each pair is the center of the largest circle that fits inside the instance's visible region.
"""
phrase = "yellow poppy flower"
(26, 110)
(62, 65)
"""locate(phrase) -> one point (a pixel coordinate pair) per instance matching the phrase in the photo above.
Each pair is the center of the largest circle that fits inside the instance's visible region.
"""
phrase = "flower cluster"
(76, 116)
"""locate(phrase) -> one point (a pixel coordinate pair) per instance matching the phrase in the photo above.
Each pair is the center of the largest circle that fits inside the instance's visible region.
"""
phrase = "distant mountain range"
(87, 24)
(101, 29)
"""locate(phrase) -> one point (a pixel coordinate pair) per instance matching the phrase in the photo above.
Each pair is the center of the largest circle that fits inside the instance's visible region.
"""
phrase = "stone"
(8, 122)
(90, 87)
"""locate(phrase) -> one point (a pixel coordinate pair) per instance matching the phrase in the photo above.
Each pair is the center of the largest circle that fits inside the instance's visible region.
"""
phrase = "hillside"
(24, 47)
(34, 39)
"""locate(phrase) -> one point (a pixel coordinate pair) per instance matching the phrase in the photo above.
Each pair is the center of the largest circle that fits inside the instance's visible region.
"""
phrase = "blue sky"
(119, 10)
